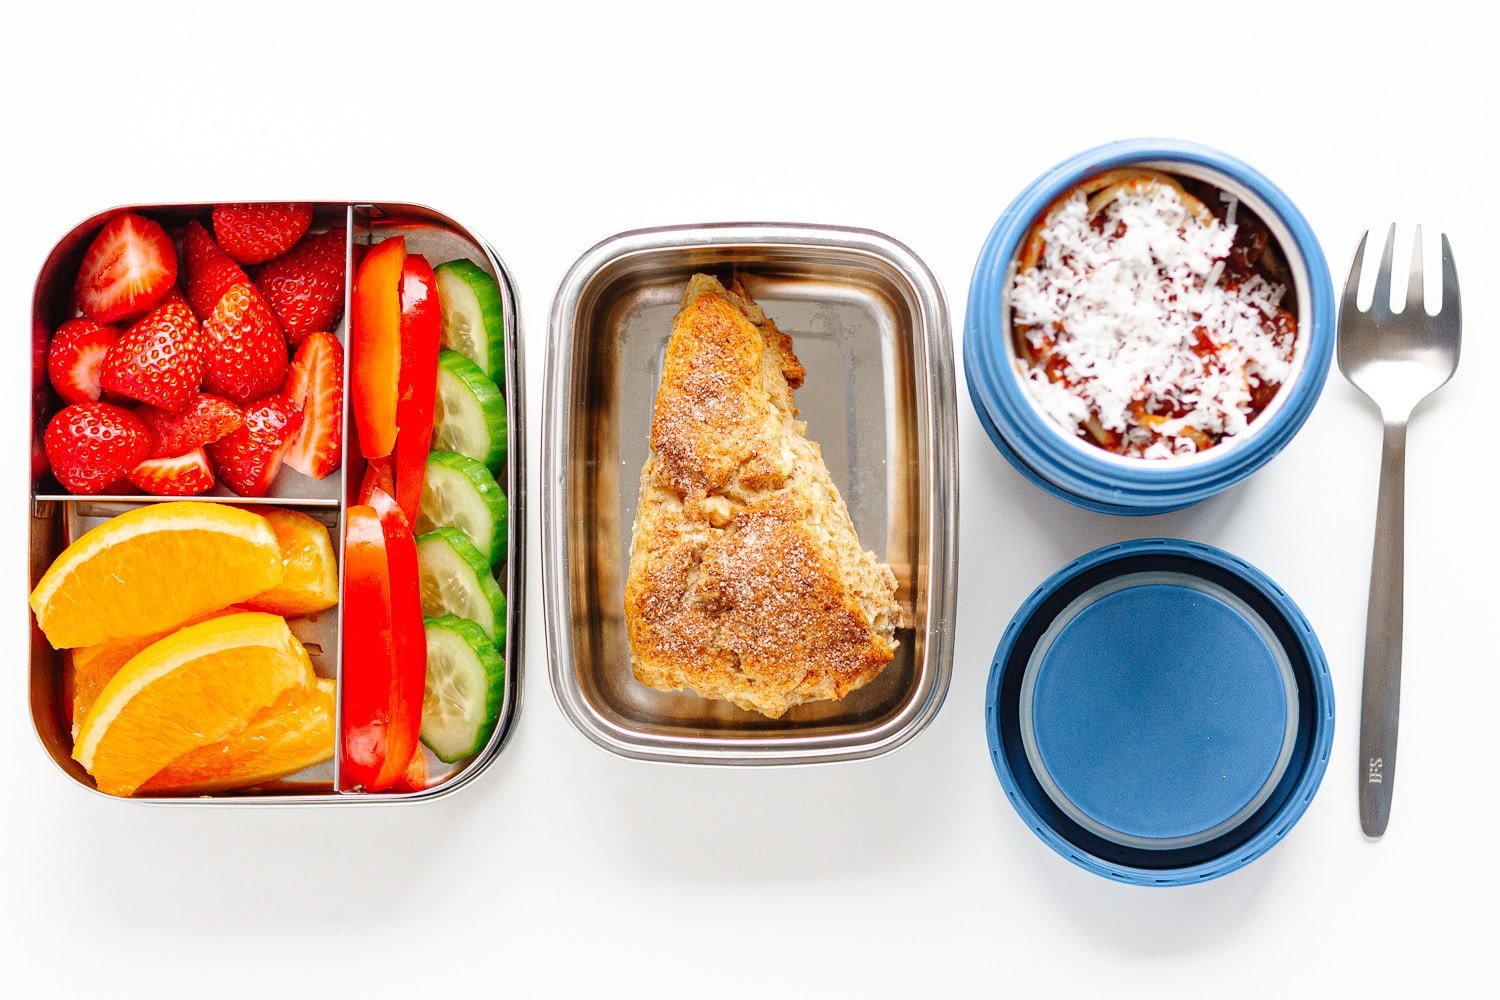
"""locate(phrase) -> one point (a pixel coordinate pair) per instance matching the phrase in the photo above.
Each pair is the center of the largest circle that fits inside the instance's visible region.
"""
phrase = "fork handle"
(1380, 704)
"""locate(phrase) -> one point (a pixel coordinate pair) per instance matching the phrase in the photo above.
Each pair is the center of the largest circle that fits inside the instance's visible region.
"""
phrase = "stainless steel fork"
(1397, 359)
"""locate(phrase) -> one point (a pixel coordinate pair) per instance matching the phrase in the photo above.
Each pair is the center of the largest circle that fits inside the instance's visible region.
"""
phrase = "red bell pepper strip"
(365, 681)
(385, 649)
(408, 674)
(415, 778)
(375, 346)
(377, 476)
(421, 333)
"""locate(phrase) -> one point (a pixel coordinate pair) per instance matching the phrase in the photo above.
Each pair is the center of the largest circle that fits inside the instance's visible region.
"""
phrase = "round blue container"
(1058, 460)
(1159, 712)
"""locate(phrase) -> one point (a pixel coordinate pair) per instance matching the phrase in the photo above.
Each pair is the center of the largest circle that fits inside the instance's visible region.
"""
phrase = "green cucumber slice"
(465, 688)
(468, 415)
(460, 492)
(472, 316)
(455, 580)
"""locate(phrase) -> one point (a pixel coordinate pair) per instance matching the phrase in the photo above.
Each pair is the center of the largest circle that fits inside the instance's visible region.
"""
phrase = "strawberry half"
(76, 356)
(93, 445)
(315, 383)
(246, 349)
(160, 360)
(174, 476)
(130, 267)
(203, 421)
(249, 458)
(210, 272)
(257, 232)
(306, 287)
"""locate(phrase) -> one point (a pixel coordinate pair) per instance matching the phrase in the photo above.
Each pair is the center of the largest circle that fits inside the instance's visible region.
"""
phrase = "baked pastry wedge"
(747, 580)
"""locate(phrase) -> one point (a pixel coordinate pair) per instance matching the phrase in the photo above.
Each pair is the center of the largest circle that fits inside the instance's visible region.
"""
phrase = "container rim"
(1079, 471)
(1302, 785)
(936, 362)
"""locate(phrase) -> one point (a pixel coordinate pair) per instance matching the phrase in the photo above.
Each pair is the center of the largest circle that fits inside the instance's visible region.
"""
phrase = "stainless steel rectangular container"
(57, 518)
(869, 322)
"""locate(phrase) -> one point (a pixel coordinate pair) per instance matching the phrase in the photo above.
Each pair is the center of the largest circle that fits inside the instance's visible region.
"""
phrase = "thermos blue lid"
(1159, 712)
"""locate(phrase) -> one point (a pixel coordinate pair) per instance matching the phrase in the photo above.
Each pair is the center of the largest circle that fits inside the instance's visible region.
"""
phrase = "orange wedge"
(294, 733)
(153, 568)
(311, 580)
(93, 666)
(197, 686)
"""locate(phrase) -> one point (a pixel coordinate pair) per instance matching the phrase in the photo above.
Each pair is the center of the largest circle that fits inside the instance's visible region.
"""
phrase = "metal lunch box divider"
(868, 320)
(57, 518)
(1159, 712)
(1076, 471)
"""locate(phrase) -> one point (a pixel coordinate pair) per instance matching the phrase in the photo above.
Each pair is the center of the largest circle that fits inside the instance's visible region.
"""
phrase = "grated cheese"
(1119, 308)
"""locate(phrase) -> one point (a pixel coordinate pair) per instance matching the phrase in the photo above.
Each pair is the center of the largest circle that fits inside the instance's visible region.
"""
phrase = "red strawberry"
(306, 287)
(254, 233)
(160, 360)
(246, 349)
(210, 271)
(204, 420)
(249, 458)
(175, 476)
(92, 445)
(75, 357)
(316, 384)
(126, 270)
(39, 464)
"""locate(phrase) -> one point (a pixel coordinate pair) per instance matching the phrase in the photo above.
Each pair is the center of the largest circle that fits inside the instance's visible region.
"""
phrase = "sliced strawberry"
(174, 476)
(255, 233)
(246, 349)
(249, 458)
(210, 272)
(93, 445)
(128, 268)
(306, 287)
(316, 384)
(203, 421)
(160, 360)
(75, 357)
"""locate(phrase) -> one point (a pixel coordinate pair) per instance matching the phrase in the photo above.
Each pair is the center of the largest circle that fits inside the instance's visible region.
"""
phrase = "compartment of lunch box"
(867, 322)
(55, 524)
(52, 306)
(438, 238)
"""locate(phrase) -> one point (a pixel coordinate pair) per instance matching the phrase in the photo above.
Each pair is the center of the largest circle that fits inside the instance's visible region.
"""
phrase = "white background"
(568, 871)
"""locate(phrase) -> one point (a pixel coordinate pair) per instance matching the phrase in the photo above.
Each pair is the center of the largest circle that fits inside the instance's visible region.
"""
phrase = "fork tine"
(1349, 306)
(1414, 276)
(1381, 303)
(1450, 285)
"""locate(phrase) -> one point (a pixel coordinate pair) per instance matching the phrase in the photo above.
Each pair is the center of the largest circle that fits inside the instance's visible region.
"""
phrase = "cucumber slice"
(468, 415)
(473, 319)
(455, 580)
(465, 688)
(460, 492)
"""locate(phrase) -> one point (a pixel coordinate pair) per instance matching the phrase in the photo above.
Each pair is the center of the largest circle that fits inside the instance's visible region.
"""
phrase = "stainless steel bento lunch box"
(58, 518)
(869, 322)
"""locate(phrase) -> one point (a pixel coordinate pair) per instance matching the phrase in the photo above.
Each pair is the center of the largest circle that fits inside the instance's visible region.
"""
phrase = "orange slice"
(93, 666)
(197, 686)
(311, 580)
(294, 733)
(153, 568)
